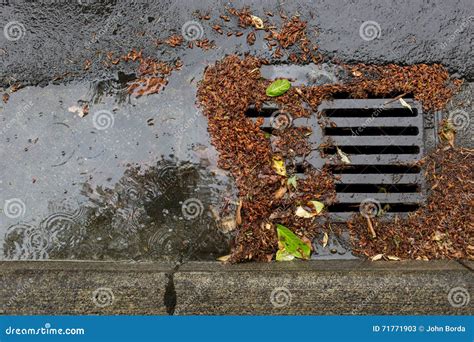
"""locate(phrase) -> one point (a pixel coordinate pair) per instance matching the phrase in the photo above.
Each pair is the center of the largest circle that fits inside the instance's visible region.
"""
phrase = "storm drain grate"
(382, 140)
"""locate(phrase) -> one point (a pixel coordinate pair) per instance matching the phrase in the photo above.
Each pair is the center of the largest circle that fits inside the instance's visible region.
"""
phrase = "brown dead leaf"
(280, 192)
(238, 215)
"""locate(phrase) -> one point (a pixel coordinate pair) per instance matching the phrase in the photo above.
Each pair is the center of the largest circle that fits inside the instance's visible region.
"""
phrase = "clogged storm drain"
(355, 146)
(382, 141)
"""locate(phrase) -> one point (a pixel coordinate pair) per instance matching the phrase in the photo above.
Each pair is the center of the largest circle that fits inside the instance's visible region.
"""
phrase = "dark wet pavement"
(126, 180)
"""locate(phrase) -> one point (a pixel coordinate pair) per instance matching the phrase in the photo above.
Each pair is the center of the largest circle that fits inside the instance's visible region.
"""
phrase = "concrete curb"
(210, 288)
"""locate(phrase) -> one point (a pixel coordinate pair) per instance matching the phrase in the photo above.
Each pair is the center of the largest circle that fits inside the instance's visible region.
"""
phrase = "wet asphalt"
(128, 187)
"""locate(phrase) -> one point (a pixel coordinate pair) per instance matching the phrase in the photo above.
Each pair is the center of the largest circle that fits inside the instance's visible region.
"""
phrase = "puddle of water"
(124, 182)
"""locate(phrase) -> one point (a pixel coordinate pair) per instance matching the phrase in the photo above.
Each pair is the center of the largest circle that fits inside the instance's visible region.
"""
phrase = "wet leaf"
(405, 104)
(80, 111)
(291, 244)
(302, 212)
(292, 181)
(318, 206)
(257, 22)
(228, 224)
(393, 258)
(448, 133)
(344, 158)
(278, 87)
(325, 239)
(376, 257)
(280, 192)
(279, 165)
(283, 255)
(224, 258)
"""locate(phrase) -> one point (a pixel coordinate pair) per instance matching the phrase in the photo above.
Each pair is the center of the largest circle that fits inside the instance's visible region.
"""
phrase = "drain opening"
(381, 149)
(371, 131)
(367, 113)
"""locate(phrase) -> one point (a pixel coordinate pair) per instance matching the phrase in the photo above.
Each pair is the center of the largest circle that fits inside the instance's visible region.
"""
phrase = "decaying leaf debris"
(443, 228)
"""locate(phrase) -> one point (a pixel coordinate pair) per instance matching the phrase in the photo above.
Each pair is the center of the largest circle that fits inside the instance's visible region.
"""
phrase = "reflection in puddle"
(164, 212)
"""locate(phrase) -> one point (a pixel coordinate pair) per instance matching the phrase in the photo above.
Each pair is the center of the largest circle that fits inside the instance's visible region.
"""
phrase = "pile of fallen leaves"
(257, 163)
(443, 228)
(152, 74)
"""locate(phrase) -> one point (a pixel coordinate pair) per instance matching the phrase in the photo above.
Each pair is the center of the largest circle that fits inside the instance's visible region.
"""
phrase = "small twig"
(395, 99)
(371, 228)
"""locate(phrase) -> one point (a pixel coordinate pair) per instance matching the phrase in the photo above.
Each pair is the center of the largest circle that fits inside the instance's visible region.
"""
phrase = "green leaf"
(292, 244)
(292, 181)
(278, 87)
